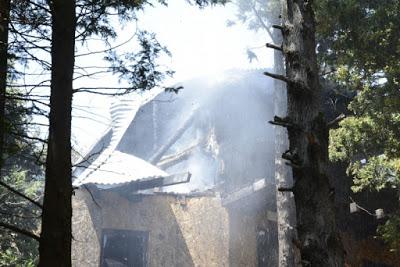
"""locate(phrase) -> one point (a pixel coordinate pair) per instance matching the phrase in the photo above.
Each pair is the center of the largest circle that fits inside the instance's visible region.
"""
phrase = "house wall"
(242, 235)
(191, 231)
(253, 239)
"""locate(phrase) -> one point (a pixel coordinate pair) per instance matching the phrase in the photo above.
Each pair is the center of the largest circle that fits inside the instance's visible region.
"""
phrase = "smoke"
(232, 145)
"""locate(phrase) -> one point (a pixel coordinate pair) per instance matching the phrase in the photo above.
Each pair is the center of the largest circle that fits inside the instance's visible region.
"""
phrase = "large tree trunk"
(4, 20)
(318, 240)
(55, 241)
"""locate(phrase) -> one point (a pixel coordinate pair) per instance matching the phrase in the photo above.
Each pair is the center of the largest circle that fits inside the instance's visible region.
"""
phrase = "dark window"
(123, 248)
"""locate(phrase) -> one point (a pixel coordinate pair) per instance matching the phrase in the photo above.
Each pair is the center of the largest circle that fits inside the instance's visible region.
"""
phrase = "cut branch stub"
(293, 157)
(298, 85)
(285, 189)
(285, 122)
(277, 76)
(278, 27)
(274, 46)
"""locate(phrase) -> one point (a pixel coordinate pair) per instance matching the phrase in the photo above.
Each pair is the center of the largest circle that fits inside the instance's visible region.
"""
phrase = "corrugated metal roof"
(113, 167)
(120, 168)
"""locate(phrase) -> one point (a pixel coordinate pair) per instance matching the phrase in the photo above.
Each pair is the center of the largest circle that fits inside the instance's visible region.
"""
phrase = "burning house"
(182, 179)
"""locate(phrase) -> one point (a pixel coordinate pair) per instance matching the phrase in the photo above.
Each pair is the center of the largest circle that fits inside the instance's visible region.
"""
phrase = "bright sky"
(200, 43)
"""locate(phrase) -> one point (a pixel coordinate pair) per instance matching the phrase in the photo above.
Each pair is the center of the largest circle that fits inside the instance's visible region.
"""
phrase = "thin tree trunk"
(318, 240)
(55, 241)
(283, 247)
(4, 20)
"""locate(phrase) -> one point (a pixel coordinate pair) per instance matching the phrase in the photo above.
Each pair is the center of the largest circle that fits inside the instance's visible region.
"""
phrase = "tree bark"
(318, 240)
(286, 219)
(4, 20)
(55, 240)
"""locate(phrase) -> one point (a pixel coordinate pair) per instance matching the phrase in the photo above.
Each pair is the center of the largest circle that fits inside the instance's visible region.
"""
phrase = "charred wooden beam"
(153, 182)
(171, 160)
(163, 149)
(244, 192)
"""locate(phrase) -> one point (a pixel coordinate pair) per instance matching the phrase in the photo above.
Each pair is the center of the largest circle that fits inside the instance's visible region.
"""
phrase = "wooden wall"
(183, 231)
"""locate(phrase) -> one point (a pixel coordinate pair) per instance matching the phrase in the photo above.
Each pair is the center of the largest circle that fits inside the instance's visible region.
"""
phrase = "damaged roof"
(120, 168)
(152, 126)
(112, 167)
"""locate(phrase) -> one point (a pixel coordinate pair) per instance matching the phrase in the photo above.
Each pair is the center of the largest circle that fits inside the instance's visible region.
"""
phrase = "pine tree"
(4, 21)
(140, 70)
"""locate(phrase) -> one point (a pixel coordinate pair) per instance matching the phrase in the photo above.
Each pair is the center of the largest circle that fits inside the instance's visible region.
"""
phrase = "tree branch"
(40, 6)
(9, 188)
(19, 216)
(336, 120)
(108, 49)
(265, 26)
(29, 137)
(19, 230)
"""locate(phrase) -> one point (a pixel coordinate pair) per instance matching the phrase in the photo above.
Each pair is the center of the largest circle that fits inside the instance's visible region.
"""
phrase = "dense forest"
(337, 75)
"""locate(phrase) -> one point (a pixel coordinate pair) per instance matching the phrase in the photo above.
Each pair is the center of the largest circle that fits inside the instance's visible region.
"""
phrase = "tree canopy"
(361, 41)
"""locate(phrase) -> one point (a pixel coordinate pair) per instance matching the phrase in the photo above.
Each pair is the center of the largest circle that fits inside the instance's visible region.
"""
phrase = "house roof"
(116, 165)
(112, 167)
(120, 168)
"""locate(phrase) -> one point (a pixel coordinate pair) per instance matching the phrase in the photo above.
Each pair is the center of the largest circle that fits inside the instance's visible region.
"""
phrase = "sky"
(200, 44)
